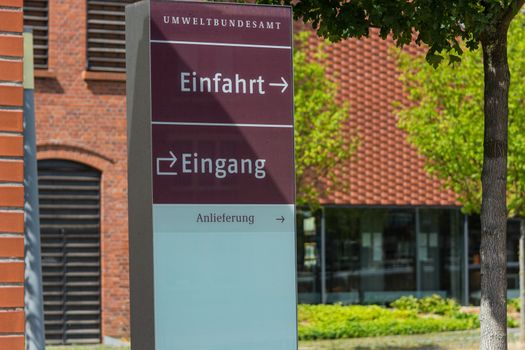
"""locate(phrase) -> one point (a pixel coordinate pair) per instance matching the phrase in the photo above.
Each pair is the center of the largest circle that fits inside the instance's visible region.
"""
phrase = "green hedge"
(407, 316)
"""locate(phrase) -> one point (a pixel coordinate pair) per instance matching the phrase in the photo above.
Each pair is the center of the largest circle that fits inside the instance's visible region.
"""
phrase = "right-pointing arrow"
(281, 219)
(172, 161)
(284, 84)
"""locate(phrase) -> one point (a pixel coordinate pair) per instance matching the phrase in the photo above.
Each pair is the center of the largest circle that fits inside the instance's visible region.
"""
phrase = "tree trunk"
(493, 314)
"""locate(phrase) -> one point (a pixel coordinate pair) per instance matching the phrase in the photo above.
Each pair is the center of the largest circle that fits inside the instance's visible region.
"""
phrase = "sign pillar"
(211, 176)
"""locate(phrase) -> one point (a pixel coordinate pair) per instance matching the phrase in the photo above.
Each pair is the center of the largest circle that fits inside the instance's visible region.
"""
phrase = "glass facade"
(370, 254)
(441, 265)
(513, 237)
(376, 255)
(309, 257)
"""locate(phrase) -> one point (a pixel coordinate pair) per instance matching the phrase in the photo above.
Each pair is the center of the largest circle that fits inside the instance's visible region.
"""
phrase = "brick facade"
(385, 170)
(12, 318)
(85, 121)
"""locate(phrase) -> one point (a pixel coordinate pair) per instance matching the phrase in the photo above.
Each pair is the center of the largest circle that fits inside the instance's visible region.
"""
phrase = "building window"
(440, 257)
(377, 255)
(474, 268)
(309, 257)
(36, 18)
(106, 37)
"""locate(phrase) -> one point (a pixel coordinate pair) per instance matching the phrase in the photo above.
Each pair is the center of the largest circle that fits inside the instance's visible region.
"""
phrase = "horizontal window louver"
(106, 41)
(36, 18)
(69, 198)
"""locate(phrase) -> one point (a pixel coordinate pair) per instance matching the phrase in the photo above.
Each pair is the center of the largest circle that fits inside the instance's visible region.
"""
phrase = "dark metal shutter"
(106, 39)
(69, 196)
(36, 17)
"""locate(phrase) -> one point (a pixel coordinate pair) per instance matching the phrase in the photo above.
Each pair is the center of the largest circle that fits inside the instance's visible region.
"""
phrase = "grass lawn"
(464, 340)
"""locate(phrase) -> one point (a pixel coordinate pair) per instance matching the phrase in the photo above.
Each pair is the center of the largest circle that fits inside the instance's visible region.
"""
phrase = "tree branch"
(511, 11)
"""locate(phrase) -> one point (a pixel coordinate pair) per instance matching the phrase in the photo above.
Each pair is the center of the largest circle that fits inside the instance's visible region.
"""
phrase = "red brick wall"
(12, 318)
(386, 169)
(85, 121)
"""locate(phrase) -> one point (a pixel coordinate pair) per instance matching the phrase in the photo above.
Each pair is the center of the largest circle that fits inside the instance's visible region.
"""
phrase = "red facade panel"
(386, 169)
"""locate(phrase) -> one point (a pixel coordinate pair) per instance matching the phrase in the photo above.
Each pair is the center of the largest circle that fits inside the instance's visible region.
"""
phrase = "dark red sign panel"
(235, 165)
(222, 103)
(221, 84)
(221, 23)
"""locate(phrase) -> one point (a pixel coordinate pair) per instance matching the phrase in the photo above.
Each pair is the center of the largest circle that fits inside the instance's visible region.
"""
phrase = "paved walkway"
(468, 340)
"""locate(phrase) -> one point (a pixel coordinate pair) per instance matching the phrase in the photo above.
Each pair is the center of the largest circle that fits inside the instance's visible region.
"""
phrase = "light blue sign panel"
(224, 285)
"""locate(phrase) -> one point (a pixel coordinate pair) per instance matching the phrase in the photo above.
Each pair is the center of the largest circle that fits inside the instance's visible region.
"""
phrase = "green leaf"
(443, 118)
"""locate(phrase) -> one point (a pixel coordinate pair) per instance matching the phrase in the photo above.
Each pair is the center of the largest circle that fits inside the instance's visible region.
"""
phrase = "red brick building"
(81, 117)
(344, 255)
(12, 317)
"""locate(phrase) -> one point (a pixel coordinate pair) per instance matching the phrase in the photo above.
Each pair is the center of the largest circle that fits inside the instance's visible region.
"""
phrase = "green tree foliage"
(320, 141)
(437, 23)
(444, 120)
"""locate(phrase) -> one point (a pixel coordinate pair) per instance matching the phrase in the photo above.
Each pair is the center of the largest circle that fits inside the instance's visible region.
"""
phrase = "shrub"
(406, 303)
(512, 323)
(430, 305)
(338, 321)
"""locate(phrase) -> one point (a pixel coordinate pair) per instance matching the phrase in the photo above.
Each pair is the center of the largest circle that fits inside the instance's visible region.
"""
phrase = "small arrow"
(281, 219)
(284, 84)
(172, 161)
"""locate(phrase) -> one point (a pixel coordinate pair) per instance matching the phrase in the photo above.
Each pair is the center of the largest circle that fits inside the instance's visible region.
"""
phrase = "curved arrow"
(172, 159)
